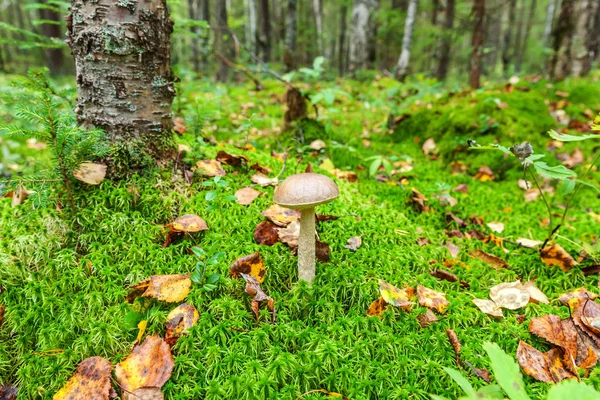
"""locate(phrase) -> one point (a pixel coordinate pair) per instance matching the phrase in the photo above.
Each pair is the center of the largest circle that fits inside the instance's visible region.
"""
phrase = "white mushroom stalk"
(304, 192)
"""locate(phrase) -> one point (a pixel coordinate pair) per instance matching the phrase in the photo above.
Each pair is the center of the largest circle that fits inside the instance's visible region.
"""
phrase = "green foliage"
(198, 275)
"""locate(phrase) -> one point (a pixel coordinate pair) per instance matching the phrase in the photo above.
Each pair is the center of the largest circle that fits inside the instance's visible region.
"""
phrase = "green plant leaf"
(556, 172)
(213, 278)
(375, 166)
(588, 185)
(198, 251)
(570, 389)
(207, 183)
(507, 372)
(461, 381)
(563, 137)
(566, 186)
(196, 277)
(229, 198)
(210, 195)
(490, 392)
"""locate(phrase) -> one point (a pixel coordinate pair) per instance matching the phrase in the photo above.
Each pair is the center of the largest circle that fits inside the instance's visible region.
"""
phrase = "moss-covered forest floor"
(64, 283)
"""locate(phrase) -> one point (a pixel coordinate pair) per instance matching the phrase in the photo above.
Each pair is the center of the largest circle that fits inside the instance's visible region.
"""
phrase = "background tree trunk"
(582, 43)
(562, 39)
(251, 23)
(549, 19)
(319, 24)
(523, 47)
(507, 45)
(400, 4)
(289, 56)
(404, 59)
(123, 71)
(493, 29)
(222, 39)
(359, 34)
(265, 31)
(477, 42)
(444, 64)
(342, 53)
(54, 57)
(435, 7)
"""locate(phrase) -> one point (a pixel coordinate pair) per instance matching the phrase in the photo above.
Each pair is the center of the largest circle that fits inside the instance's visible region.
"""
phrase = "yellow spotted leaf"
(148, 366)
(252, 264)
(189, 223)
(432, 299)
(92, 381)
(377, 308)
(280, 215)
(168, 288)
(179, 319)
(210, 168)
(556, 255)
(394, 296)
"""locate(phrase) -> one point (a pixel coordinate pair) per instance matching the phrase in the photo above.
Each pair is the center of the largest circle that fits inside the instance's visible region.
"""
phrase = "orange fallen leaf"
(510, 295)
(556, 255)
(168, 288)
(432, 299)
(377, 308)
(252, 264)
(90, 173)
(557, 368)
(533, 362)
(455, 344)
(92, 381)
(148, 366)
(179, 319)
(210, 168)
(557, 332)
(189, 223)
(280, 215)
(258, 296)
(230, 159)
(246, 195)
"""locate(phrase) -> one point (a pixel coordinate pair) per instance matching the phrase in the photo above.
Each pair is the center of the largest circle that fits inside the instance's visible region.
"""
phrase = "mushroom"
(304, 192)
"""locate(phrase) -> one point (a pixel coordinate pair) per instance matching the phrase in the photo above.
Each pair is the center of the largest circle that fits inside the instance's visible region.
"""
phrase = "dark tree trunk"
(586, 37)
(562, 38)
(519, 36)
(54, 57)
(400, 4)
(507, 48)
(523, 47)
(342, 54)
(124, 78)
(289, 57)
(446, 41)
(193, 13)
(477, 42)
(222, 43)
(265, 30)
(493, 28)
(434, 12)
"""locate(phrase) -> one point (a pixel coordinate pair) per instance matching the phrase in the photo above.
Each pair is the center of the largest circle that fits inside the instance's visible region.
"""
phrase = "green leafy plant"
(217, 196)
(378, 161)
(45, 118)
(510, 380)
(208, 283)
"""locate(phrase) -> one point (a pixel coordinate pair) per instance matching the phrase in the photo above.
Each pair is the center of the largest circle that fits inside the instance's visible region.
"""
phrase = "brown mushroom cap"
(305, 190)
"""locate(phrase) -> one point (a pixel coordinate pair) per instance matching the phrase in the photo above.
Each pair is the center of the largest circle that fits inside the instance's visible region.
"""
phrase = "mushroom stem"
(306, 246)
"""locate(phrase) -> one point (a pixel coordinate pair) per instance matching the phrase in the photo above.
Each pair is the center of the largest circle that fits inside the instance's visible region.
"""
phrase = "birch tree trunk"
(584, 36)
(319, 24)
(507, 45)
(562, 40)
(404, 59)
(289, 57)
(222, 39)
(265, 30)
(342, 53)
(359, 34)
(548, 24)
(523, 47)
(477, 42)
(251, 23)
(446, 41)
(124, 79)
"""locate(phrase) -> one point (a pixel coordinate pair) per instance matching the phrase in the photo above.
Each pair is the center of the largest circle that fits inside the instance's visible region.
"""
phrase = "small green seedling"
(217, 196)
(197, 276)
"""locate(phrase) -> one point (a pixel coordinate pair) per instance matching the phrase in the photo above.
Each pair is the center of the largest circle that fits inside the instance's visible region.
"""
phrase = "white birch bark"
(404, 59)
(549, 18)
(251, 21)
(359, 34)
(319, 23)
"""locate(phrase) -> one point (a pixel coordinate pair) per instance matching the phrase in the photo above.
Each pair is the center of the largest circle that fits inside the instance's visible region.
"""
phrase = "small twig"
(240, 68)
(240, 330)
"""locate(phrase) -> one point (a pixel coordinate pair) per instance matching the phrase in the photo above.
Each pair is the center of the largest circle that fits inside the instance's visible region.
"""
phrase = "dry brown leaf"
(19, 195)
(246, 195)
(317, 145)
(432, 299)
(349, 176)
(535, 294)
(210, 168)
(490, 259)
(92, 381)
(260, 168)
(481, 373)
(90, 173)
(279, 156)
(488, 307)
(556, 255)
(427, 318)
(452, 248)
(423, 241)
(455, 344)
(8, 392)
(463, 188)
(485, 174)
(497, 227)
(448, 276)
(179, 125)
(266, 233)
(377, 308)
(354, 243)
(230, 159)
(510, 295)
(533, 362)
(558, 370)
(322, 251)
(152, 393)
(179, 319)
(555, 331)
(258, 296)
(428, 146)
(148, 366)
(290, 235)
(573, 298)
(280, 215)
(168, 288)
(262, 180)
(529, 242)
(252, 264)
(189, 223)
(419, 200)
(394, 296)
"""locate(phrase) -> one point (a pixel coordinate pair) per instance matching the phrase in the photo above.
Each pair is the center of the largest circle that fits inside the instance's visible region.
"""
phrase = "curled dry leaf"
(210, 168)
(533, 362)
(575, 297)
(496, 226)
(510, 295)
(448, 276)
(290, 235)
(558, 332)
(558, 370)
(230, 159)
(377, 308)
(423, 241)
(452, 248)
(266, 233)
(280, 215)
(260, 168)
(354, 243)
(246, 195)
(90, 173)
(432, 299)
(429, 146)
(253, 289)
(148, 366)
(168, 288)
(490, 259)
(394, 296)
(427, 318)
(317, 145)
(262, 180)
(536, 295)
(485, 174)
(460, 223)
(481, 373)
(252, 264)
(455, 344)
(92, 381)
(325, 218)
(419, 200)
(556, 255)
(488, 307)
(189, 223)
(179, 319)
(528, 242)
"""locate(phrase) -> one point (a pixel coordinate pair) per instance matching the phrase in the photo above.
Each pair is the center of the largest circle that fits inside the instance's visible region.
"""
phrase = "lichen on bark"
(124, 77)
